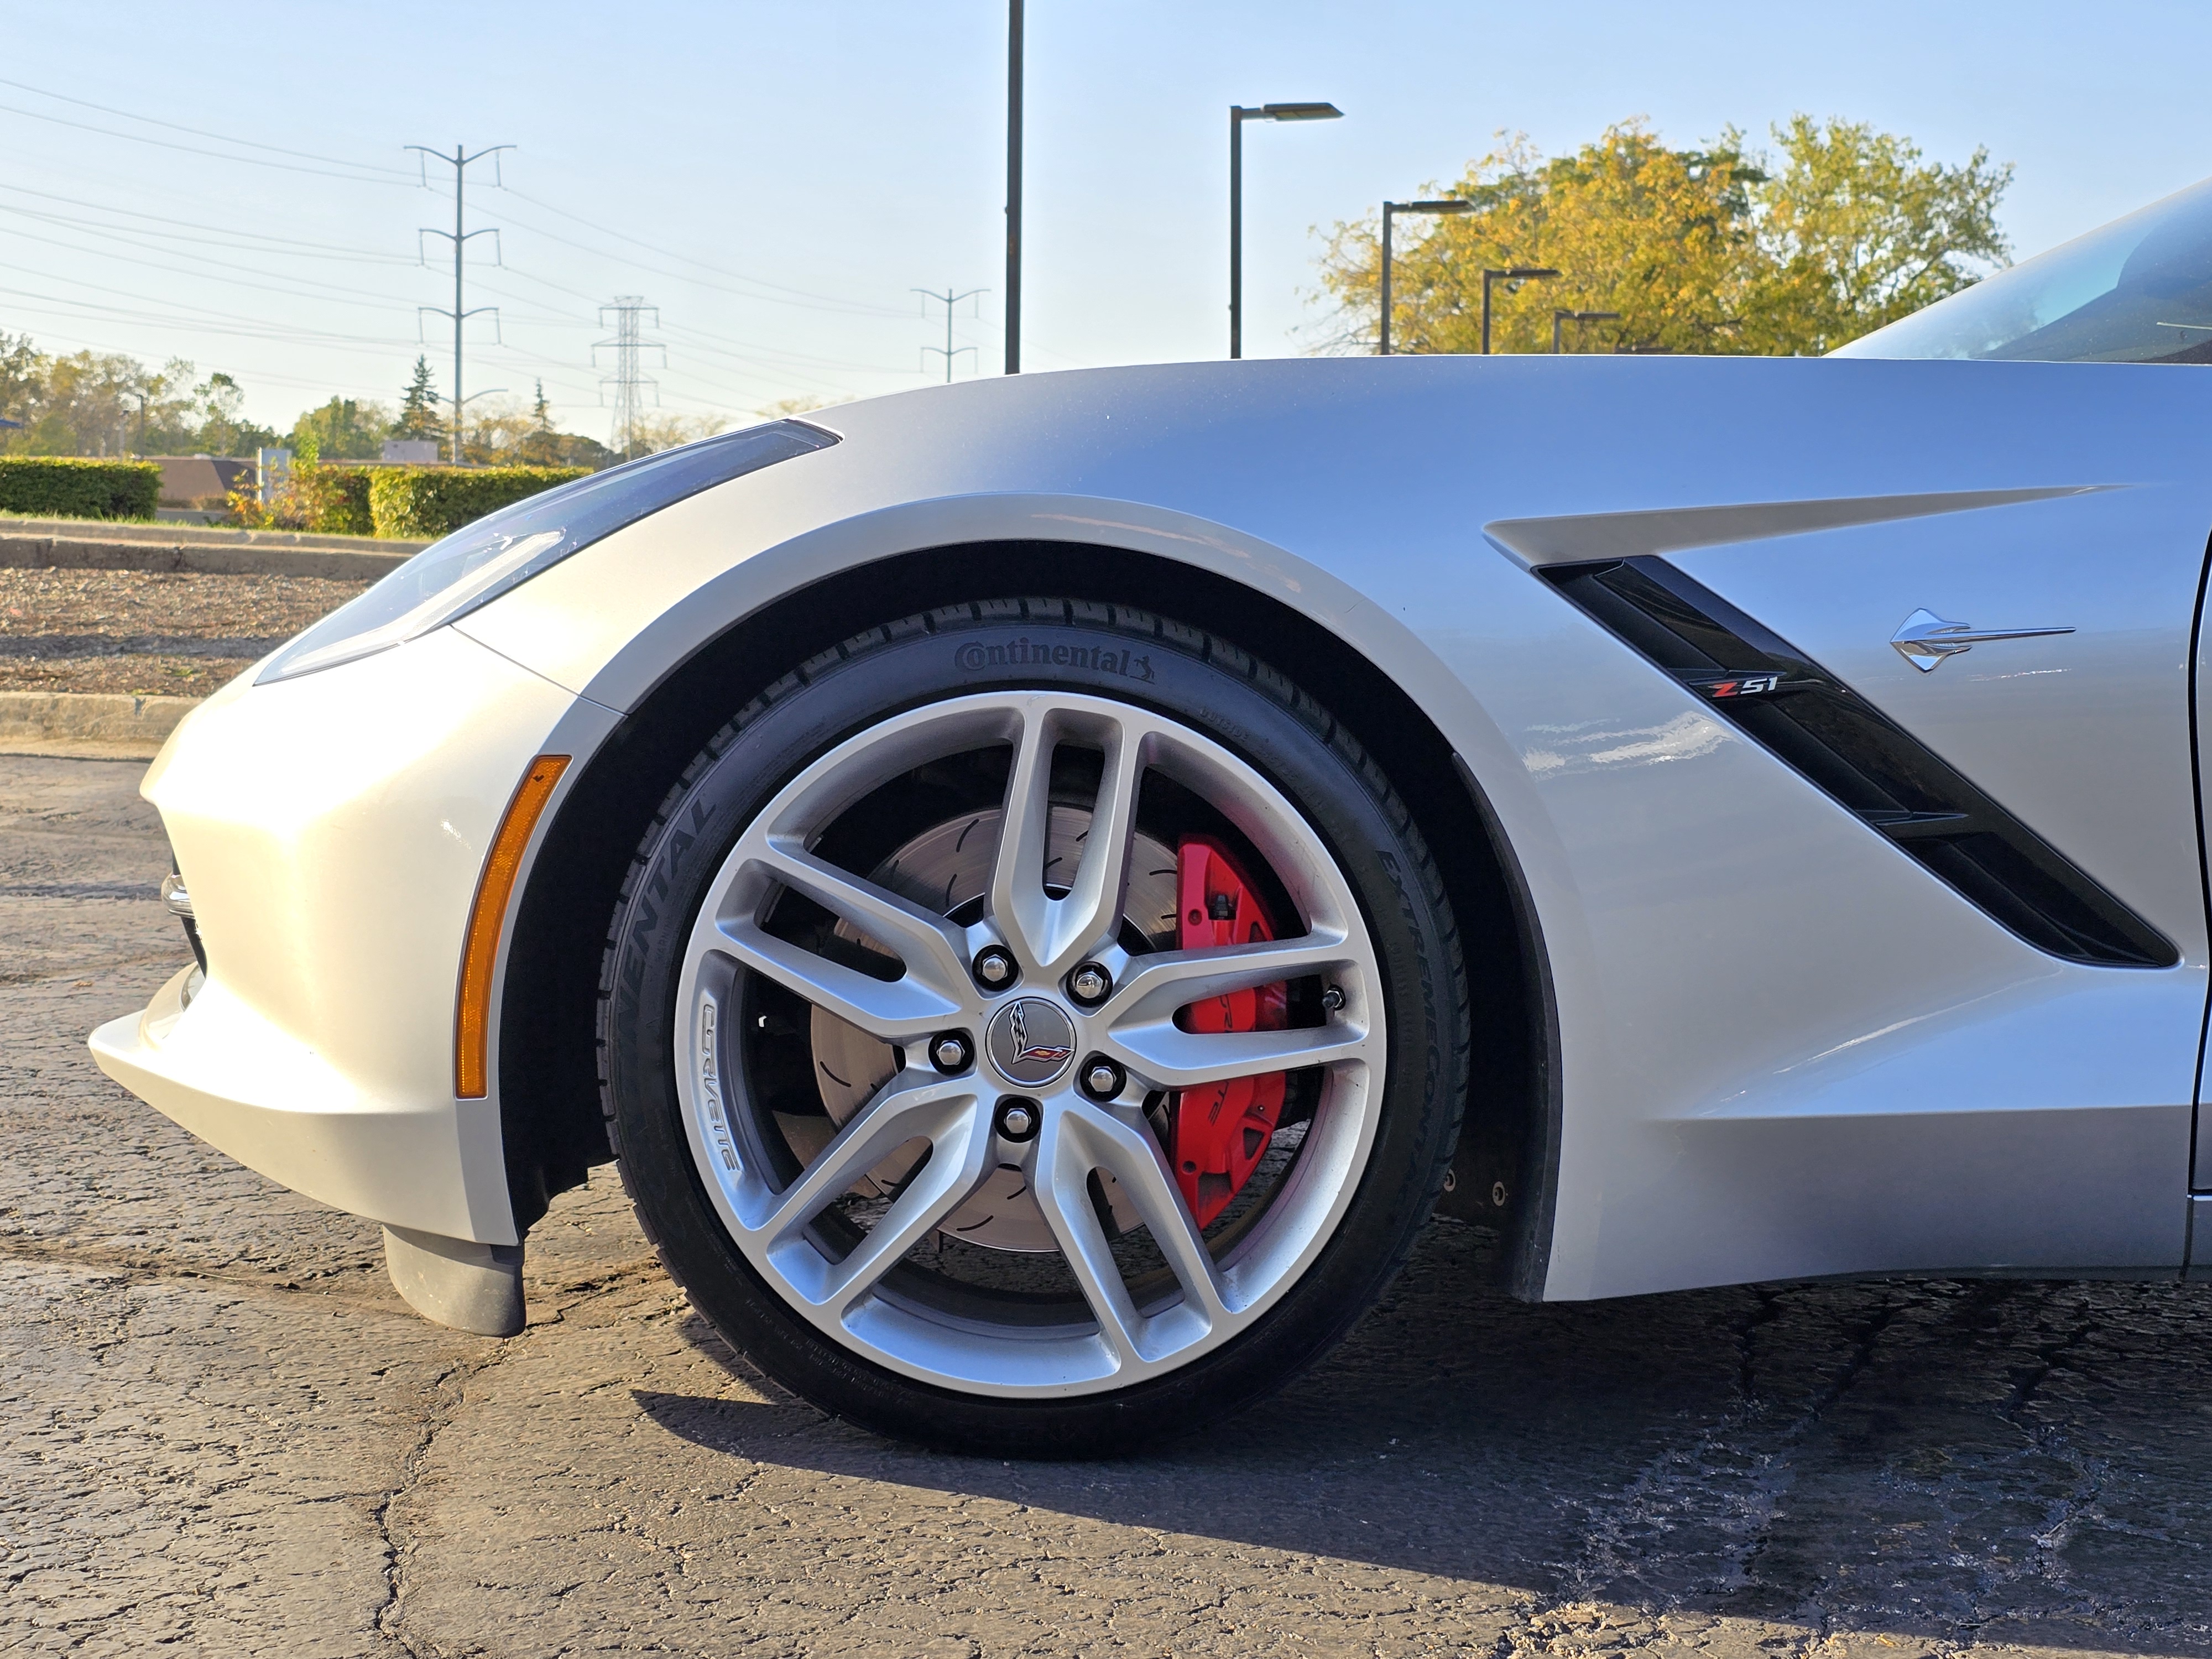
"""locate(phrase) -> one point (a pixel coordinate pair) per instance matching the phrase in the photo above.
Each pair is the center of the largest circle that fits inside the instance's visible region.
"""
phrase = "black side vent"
(1842, 743)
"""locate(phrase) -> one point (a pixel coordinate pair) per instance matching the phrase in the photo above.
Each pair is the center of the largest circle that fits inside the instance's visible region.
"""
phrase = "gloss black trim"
(1899, 787)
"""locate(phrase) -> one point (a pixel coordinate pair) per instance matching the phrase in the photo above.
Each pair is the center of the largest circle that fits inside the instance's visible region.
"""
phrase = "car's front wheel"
(1033, 1028)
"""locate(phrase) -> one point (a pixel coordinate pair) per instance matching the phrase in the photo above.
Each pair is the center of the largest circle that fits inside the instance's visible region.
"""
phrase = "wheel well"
(548, 1087)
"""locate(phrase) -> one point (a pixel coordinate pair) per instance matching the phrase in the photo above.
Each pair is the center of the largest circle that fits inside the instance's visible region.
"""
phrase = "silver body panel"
(1786, 1048)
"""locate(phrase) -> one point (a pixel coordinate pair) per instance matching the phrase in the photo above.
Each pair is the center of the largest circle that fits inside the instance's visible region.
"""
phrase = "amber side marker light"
(487, 917)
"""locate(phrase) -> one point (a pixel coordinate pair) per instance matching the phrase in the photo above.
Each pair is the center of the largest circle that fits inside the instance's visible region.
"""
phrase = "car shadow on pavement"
(1932, 1462)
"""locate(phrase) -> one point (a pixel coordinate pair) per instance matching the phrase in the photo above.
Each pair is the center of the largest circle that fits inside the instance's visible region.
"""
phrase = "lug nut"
(950, 1052)
(1018, 1118)
(1089, 984)
(995, 967)
(1101, 1078)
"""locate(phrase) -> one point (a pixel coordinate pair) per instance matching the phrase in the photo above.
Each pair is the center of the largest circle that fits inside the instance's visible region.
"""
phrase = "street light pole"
(1238, 115)
(1014, 192)
(1450, 205)
(1562, 317)
(1514, 274)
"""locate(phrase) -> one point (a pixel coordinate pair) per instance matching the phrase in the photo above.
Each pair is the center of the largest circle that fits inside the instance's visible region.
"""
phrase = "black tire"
(1205, 682)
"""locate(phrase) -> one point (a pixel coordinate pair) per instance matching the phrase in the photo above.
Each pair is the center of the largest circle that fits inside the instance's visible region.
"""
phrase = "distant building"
(202, 481)
(412, 451)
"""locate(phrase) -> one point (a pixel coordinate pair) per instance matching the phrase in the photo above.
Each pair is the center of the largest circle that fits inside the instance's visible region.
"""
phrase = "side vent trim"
(1898, 786)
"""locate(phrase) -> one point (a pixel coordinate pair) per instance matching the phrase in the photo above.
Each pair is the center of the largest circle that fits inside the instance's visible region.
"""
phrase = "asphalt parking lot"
(224, 1433)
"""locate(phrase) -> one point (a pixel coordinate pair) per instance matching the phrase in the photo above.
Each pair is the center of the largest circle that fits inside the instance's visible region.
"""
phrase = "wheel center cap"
(1031, 1042)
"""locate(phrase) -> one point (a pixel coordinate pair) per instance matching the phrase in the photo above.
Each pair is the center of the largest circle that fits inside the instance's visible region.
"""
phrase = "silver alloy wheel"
(849, 1299)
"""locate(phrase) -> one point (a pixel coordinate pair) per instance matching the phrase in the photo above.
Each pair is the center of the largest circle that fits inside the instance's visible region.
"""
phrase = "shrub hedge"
(337, 498)
(435, 501)
(65, 487)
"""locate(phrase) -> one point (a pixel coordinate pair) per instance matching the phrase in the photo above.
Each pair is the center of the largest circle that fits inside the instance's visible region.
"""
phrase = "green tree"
(418, 407)
(23, 375)
(541, 445)
(1717, 249)
(224, 430)
(1857, 231)
(101, 404)
(343, 430)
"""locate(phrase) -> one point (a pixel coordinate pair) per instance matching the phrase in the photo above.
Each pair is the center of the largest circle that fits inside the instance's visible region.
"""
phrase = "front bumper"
(332, 829)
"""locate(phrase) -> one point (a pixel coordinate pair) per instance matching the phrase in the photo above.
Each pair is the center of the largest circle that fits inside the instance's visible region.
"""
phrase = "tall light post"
(1559, 318)
(1514, 274)
(1238, 115)
(1014, 192)
(1450, 205)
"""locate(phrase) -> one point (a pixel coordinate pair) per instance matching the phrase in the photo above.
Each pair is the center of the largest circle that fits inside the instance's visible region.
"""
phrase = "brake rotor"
(947, 869)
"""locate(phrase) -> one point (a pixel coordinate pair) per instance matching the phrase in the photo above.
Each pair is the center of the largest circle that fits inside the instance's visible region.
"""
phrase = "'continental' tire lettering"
(973, 657)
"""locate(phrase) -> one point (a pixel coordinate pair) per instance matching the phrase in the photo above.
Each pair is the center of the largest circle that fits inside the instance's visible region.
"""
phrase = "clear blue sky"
(804, 167)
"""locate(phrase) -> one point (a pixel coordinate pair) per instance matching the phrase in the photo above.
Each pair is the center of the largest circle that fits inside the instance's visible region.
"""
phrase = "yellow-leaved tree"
(1723, 249)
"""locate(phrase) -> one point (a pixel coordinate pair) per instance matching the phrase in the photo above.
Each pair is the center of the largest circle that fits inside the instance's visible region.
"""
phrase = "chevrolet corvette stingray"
(1043, 886)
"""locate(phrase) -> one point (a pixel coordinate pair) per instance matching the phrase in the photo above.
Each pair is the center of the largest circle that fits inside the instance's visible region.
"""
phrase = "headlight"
(479, 562)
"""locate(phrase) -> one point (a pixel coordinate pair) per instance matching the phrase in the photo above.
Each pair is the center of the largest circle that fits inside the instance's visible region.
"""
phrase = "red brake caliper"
(1221, 1130)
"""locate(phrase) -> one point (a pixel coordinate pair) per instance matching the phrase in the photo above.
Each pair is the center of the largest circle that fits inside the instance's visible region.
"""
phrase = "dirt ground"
(145, 632)
(221, 1432)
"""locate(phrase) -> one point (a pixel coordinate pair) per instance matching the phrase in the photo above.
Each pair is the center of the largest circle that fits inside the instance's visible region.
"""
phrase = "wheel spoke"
(1157, 985)
(1091, 914)
(894, 1011)
(1017, 896)
(1053, 934)
(1062, 1182)
(915, 1106)
(1134, 1159)
(960, 1161)
(932, 949)
(1166, 1058)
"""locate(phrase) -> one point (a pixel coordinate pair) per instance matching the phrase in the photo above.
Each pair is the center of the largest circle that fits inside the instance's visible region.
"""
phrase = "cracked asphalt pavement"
(221, 1432)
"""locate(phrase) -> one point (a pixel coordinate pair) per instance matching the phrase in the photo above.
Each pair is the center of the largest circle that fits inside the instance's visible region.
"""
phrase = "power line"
(271, 332)
(459, 238)
(628, 379)
(384, 302)
(744, 352)
(200, 133)
(58, 306)
(194, 149)
(827, 302)
(241, 240)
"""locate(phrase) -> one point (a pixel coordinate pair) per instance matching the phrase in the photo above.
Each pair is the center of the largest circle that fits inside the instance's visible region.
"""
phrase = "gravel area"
(146, 632)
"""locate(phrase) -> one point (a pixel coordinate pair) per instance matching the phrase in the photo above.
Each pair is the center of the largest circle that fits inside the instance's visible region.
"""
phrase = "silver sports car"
(1043, 885)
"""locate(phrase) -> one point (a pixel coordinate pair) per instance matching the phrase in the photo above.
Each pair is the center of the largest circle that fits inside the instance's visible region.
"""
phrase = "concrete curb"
(93, 545)
(88, 725)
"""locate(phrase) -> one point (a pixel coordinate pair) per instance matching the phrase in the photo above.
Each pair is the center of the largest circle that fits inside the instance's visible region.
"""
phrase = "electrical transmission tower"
(948, 300)
(629, 380)
(459, 161)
